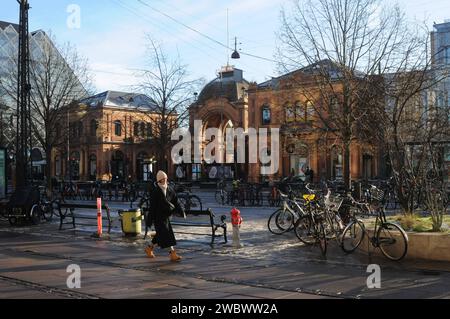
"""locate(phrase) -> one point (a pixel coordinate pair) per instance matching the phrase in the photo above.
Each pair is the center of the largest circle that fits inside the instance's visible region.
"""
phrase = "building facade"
(107, 137)
(230, 101)
(440, 52)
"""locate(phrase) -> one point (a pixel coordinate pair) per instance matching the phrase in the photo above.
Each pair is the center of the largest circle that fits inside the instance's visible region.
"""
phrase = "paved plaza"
(34, 261)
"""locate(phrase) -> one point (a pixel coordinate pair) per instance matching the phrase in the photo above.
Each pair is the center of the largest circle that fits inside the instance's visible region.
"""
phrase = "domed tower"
(223, 99)
(222, 104)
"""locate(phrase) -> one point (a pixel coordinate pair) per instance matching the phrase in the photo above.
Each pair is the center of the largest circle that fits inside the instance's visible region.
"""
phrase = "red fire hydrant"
(236, 220)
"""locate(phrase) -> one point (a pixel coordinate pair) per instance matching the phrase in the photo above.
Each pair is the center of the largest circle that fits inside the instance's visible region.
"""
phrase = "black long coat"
(160, 213)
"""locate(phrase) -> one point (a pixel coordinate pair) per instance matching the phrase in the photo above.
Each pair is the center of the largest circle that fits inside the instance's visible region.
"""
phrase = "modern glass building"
(46, 63)
(440, 50)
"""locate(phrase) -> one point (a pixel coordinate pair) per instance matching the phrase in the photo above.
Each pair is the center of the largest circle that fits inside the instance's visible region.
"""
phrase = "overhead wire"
(167, 30)
(140, 15)
(203, 34)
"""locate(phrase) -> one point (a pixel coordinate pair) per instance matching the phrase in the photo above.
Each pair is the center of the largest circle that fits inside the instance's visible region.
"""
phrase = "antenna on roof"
(228, 39)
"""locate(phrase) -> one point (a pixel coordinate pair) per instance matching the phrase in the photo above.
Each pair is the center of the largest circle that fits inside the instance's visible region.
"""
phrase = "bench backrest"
(84, 206)
(199, 212)
(208, 212)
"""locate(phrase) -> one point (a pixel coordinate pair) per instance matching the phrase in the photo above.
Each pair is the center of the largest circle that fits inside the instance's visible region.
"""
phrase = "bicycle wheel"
(331, 226)
(280, 222)
(35, 214)
(321, 238)
(195, 202)
(220, 197)
(352, 236)
(304, 230)
(48, 212)
(393, 241)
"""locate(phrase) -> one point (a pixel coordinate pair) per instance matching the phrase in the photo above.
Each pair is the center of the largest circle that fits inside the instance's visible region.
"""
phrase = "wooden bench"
(68, 211)
(209, 222)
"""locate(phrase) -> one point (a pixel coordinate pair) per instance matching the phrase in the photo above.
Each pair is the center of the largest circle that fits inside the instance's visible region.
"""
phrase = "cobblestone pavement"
(34, 259)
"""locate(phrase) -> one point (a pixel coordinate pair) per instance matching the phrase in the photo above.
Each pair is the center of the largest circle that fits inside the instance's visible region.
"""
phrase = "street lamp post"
(23, 133)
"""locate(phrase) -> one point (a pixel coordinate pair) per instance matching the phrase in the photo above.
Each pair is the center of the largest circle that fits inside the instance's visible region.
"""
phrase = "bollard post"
(99, 218)
(236, 220)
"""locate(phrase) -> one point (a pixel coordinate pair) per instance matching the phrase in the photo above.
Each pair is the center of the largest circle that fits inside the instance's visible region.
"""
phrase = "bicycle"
(389, 237)
(43, 210)
(334, 225)
(221, 195)
(309, 228)
(273, 198)
(189, 201)
(283, 219)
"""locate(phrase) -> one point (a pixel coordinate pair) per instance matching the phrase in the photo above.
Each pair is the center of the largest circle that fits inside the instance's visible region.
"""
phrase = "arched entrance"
(298, 158)
(144, 167)
(93, 167)
(368, 165)
(337, 161)
(74, 168)
(38, 163)
(118, 166)
(225, 167)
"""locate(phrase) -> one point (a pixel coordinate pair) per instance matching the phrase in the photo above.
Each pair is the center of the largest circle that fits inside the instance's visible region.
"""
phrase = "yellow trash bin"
(131, 221)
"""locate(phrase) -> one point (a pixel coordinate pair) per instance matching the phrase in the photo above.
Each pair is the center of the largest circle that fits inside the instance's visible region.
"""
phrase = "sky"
(112, 34)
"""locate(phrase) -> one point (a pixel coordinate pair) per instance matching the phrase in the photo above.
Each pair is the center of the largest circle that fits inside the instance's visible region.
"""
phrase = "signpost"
(3, 184)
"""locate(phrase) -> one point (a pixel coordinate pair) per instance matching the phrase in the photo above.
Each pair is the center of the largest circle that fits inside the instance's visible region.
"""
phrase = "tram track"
(53, 291)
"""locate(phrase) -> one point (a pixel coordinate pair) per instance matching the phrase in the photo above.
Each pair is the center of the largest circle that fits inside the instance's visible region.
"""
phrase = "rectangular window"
(196, 172)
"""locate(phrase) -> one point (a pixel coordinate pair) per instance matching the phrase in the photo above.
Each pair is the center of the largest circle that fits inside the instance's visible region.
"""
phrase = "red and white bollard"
(236, 220)
(99, 232)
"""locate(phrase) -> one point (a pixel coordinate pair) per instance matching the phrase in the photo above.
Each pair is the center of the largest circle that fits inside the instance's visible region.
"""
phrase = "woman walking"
(163, 204)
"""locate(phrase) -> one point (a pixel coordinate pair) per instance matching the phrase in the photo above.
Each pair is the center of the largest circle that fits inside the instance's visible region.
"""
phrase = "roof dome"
(230, 84)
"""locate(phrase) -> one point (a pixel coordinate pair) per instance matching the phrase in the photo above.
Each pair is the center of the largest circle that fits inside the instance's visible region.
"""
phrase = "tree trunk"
(346, 167)
(48, 170)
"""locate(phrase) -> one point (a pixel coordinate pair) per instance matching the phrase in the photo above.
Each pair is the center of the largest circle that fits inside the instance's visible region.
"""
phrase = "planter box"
(424, 246)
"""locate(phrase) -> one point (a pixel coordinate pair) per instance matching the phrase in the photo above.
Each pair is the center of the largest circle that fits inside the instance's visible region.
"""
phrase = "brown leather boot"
(174, 257)
(149, 252)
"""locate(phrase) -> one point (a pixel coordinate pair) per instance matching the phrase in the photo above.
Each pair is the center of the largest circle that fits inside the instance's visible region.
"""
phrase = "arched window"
(142, 131)
(94, 127)
(290, 114)
(300, 113)
(266, 115)
(118, 128)
(75, 166)
(58, 166)
(310, 111)
(80, 129)
(149, 130)
(136, 129)
(334, 105)
(93, 167)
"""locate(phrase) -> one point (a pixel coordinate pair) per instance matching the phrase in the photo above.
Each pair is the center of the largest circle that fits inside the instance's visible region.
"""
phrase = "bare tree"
(58, 77)
(414, 126)
(167, 83)
(347, 45)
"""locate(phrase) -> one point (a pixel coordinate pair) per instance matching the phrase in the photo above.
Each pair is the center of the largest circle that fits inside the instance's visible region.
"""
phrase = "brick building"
(231, 101)
(109, 137)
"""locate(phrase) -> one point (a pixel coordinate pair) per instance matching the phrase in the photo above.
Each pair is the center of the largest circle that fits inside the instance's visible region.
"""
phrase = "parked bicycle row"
(317, 217)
